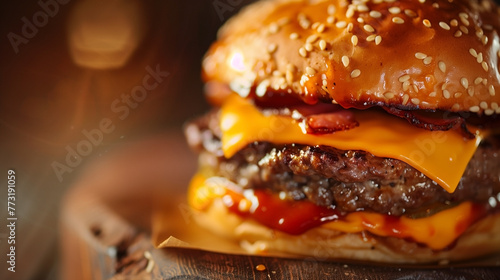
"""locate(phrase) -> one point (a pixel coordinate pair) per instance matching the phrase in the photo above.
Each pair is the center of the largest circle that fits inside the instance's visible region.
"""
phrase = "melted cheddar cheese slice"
(440, 155)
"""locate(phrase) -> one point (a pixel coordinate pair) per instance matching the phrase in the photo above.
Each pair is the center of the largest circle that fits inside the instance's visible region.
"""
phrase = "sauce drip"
(438, 231)
(293, 217)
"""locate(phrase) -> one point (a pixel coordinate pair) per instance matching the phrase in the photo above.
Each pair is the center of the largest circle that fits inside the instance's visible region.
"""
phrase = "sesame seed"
(349, 27)
(410, 13)
(305, 24)
(321, 28)
(432, 94)
(310, 71)
(294, 36)
(465, 21)
(421, 1)
(415, 101)
(406, 97)
(458, 34)
(371, 38)
(470, 91)
(491, 90)
(389, 95)
(341, 24)
(479, 57)
(484, 81)
(273, 28)
(473, 52)
(308, 47)
(474, 109)
(464, 82)
(455, 107)
(354, 40)
(446, 94)
(290, 67)
(444, 25)
(484, 40)
(303, 21)
(350, 12)
(420, 55)
(485, 66)
(378, 40)
(463, 15)
(454, 22)
(360, 20)
(442, 66)
(311, 39)
(362, 8)
(322, 45)
(426, 23)
(368, 28)
(494, 105)
(464, 29)
(406, 85)
(272, 48)
(375, 14)
(435, 5)
(427, 60)
(355, 73)
(331, 9)
(394, 10)
(457, 94)
(303, 52)
(398, 20)
(289, 76)
(478, 80)
(330, 19)
(262, 88)
(483, 105)
(479, 33)
(489, 112)
(404, 78)
(345, 61)
(325, 83)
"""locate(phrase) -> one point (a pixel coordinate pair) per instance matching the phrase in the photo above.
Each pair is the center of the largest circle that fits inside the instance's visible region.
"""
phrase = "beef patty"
(347, 180)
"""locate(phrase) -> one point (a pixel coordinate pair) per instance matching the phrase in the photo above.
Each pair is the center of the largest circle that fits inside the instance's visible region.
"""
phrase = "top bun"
(414, 54)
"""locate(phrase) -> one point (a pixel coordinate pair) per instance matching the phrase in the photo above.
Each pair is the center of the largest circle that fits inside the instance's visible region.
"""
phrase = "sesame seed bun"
(418, 54)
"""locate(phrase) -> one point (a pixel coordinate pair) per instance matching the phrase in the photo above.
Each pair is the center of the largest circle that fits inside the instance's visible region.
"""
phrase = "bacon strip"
(432, 124)
(330, 122)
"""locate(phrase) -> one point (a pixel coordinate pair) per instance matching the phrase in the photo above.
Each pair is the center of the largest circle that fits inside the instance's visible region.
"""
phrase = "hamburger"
(363, 130)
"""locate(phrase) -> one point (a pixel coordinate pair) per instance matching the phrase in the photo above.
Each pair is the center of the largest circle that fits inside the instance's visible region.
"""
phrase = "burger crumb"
(260, 267)
(444, 262)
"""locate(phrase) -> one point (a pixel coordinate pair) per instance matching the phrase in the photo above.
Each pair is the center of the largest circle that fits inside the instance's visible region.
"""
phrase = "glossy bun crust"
(415, 54)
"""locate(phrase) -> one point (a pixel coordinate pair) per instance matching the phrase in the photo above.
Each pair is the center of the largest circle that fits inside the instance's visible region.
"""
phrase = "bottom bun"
(322, 243)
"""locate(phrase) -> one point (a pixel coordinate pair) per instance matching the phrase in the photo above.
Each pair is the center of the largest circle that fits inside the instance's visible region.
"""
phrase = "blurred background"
(79, 76)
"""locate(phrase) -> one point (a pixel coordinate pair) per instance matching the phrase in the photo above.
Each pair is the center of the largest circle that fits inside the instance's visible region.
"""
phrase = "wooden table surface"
(105, 228)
